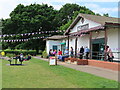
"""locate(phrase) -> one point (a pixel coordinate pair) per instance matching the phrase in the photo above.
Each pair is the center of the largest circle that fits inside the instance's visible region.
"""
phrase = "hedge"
(25, 52)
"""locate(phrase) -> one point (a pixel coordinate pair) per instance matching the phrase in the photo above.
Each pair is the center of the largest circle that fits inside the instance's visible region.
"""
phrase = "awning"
(63, 43)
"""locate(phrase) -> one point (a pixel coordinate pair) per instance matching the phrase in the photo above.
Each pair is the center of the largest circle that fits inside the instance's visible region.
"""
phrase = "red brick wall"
(105, 64)
(102, 64)
(82, 62)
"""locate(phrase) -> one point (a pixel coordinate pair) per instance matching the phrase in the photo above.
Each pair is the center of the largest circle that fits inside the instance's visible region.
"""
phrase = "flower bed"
(76, 61)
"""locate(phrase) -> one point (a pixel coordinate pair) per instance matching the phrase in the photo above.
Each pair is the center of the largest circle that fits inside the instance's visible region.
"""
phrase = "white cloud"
(106, 10)
(102, 1)
(91, 5)
(6, 7)
(102, 10)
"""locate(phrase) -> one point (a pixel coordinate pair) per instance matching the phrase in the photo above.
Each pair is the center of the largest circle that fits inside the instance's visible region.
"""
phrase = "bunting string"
(23, 40)
(28, 34)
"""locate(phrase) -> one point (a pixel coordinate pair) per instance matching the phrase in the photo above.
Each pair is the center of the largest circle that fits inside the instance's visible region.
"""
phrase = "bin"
(52, 61)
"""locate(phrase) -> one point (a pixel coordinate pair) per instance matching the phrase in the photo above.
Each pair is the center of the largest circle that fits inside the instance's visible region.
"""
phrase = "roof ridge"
(80, 14)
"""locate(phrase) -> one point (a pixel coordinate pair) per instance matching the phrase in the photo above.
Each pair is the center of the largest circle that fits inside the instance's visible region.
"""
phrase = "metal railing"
(101, 56)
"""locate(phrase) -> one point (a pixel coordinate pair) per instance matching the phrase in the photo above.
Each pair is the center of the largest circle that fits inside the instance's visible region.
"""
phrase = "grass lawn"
(38, 74)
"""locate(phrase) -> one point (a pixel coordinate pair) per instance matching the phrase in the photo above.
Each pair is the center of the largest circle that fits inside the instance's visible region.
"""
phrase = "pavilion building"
(95, 32)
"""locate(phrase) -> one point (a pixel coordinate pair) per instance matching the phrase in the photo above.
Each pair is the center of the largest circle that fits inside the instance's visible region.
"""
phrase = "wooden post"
(90, 46)
(105, 44)
(68, 42)
(76, 47)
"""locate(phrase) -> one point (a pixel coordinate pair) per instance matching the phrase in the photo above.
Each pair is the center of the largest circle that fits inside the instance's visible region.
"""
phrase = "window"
(54, 47)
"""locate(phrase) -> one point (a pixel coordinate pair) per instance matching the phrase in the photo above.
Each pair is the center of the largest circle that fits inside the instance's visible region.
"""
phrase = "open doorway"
(98, 48)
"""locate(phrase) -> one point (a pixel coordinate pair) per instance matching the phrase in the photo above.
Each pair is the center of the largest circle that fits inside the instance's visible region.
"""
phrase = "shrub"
(10, 55)
(25, 52)
(44, 54)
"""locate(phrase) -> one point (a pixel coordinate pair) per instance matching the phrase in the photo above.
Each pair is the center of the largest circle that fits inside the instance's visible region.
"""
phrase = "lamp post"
(1, 39)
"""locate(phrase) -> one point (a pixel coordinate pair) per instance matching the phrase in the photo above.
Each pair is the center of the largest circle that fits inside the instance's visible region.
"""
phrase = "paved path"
(106, 73)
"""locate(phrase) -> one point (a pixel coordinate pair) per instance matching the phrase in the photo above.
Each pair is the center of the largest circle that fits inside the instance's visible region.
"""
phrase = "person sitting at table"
(59, 53)
(109, 54)
(16, 58)
(66, 55)
(54, 52)
(25, 58)
(29, 57)
(50, 52)
(21, 58)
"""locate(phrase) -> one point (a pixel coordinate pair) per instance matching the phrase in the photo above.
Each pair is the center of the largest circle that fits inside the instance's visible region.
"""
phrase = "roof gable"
(84, 24)
(98, 19)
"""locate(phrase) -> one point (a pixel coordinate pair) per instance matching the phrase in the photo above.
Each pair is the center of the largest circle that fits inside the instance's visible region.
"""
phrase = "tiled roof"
(100, 19)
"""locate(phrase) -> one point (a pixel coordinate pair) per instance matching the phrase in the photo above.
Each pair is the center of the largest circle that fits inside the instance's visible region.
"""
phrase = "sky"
(98, 6)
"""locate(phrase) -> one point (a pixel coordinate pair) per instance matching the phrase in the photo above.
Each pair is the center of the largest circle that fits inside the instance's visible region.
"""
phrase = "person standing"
(81, 52)
(71, 52)
(87, 51)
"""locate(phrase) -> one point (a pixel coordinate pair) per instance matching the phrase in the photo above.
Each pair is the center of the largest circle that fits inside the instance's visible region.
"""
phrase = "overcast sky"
(98, 6)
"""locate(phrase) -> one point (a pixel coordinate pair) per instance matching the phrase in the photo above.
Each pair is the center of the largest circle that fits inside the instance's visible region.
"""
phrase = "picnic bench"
(18, 58)
(15, 61)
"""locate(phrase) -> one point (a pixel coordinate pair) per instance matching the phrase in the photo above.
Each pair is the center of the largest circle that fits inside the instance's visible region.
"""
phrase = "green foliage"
(25, 52)
(73, 14)
(64, 27)
(24, 19)
(44, 54)
(107, 15)
(10, 55)
(31, 18)
(98, 14)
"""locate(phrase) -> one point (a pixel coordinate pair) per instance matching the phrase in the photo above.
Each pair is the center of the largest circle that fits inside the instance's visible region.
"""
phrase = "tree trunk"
(37, 50)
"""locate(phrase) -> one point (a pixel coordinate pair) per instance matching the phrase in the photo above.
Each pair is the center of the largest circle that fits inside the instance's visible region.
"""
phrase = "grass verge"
(38, 74)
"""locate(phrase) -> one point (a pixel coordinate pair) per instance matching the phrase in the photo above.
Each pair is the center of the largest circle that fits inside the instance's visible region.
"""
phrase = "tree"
(80, 9)
(24, 19)
(66, 13)
(98, 14)
(107, 15)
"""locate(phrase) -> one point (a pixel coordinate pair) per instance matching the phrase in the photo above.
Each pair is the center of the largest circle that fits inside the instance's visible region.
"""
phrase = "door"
(98, 48)
(63, 48)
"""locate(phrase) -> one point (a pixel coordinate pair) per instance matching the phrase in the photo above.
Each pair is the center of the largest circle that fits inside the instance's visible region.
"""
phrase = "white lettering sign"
(52, 62)
(83, 27)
